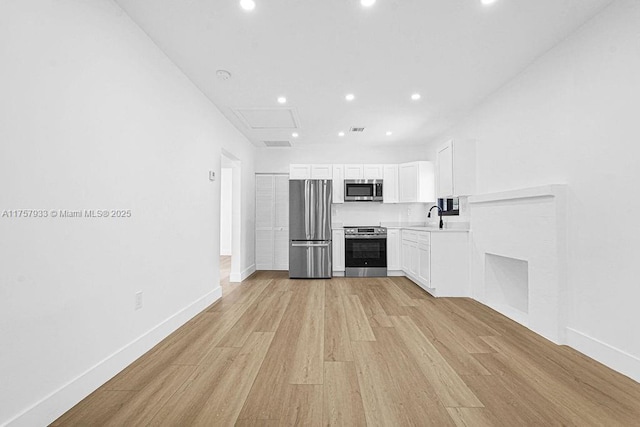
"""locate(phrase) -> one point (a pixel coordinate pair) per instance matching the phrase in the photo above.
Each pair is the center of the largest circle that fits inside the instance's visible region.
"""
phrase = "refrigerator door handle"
(310, 245)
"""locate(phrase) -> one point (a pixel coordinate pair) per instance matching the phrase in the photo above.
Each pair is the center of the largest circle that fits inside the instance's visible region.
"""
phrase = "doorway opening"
(230, 223)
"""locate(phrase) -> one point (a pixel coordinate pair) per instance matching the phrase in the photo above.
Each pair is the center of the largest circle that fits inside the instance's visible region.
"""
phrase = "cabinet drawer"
(409, 235)
(424, 237)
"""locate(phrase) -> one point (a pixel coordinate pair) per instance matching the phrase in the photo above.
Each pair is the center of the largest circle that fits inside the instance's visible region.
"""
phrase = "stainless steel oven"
(363, 190)
(365, 250)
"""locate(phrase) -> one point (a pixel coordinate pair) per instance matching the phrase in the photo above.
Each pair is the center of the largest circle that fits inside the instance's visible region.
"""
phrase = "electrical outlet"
(138, 301)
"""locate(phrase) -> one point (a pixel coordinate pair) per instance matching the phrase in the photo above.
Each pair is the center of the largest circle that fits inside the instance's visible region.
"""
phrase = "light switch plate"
(212, 176)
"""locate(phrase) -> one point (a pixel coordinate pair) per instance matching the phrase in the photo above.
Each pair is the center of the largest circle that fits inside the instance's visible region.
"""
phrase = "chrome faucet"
(441, 226)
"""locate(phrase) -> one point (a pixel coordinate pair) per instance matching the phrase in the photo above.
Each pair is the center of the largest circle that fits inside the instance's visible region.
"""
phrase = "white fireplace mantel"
(527, 226)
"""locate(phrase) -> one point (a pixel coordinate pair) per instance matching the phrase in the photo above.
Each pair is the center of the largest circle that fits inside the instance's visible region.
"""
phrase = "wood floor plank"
(448, 346)
(95, 409)
(187, 403)
(208, 334)
(307, 366)
(397, 294)
(508, 384)
(270, 320)
(265, 398)
(225, 403)
(337, 343)
(410, 288)
(342, 397)
(249, 321)
(564, 394)
(395, 393)
(146, 403)
(357, 321)
(389, 305)
(443, 324)
(374, 311)
(450, 388)
(302, 405)
(474, 417)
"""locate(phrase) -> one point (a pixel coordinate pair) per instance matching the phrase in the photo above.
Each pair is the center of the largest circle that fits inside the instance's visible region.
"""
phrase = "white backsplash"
(365, 213)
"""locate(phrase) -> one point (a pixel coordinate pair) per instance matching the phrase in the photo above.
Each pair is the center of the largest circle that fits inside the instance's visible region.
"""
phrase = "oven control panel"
(363, 232)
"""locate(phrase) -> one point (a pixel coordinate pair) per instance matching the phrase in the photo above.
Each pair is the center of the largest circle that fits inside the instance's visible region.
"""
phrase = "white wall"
(226, 197)
(572, 117)
(94, 116)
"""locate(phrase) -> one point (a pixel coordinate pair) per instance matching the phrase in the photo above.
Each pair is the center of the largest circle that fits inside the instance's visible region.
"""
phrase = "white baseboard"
(604, 353)
(395, 273)
(235, 277)
(58, 402)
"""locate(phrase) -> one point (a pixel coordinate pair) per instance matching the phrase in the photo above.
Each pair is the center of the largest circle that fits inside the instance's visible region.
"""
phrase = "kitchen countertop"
(417, 226)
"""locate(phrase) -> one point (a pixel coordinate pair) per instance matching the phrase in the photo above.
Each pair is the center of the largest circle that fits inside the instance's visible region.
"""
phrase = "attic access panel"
(268, 118)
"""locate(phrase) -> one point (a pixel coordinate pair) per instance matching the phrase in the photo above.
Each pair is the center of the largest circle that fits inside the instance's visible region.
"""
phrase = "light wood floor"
(275, 351)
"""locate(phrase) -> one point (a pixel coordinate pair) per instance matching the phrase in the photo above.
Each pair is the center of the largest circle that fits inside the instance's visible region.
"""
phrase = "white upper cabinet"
(390, 184)
(456, 168)
(373, 171)
(338, 184)
(302, 171)
(321, 171)
(353, 172)
(416, 182)
(299, 171)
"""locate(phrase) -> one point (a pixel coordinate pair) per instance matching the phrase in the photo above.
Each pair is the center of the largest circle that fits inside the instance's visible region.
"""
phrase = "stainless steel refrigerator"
(310, 228)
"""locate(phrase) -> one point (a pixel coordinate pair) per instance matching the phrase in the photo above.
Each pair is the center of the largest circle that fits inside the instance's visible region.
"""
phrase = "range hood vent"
(277, 143)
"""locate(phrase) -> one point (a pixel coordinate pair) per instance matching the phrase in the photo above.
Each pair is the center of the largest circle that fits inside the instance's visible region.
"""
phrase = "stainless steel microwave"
(363, 190)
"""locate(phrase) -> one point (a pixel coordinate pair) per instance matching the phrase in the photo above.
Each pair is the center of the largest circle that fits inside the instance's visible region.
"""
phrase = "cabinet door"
(445, 171)
(393, 250)
(408, 182)
(390, 184)
(353, 172)
(414, 259)
(337, 237)
(406, 257)
(299, 171)
(264, 201)
(424, 264)
(321, 171)
(373, 171)
(338, 184)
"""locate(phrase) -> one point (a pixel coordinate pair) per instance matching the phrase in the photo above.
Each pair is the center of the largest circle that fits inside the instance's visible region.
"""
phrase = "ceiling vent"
(356, 130)
(277, 143)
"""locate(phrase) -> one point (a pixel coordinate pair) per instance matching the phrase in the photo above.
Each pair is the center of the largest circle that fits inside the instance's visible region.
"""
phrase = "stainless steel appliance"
(365, 250)
(310, 228)
(363, 190)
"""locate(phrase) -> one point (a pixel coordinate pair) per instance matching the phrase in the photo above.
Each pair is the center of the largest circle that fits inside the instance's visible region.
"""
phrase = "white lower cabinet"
(337, 237)
(393, 250)
(438, 262)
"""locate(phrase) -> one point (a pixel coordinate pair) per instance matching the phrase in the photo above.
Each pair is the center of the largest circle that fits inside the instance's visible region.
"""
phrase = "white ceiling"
(453, 52)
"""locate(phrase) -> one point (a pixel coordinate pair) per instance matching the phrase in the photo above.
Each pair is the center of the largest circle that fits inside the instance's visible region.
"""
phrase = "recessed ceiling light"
(487, 2)
(367, 3)
(282, 100)
(389, 133)
(350, 97)
(340, 133)
(247, 4)
(415, 96)
(295, 134)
